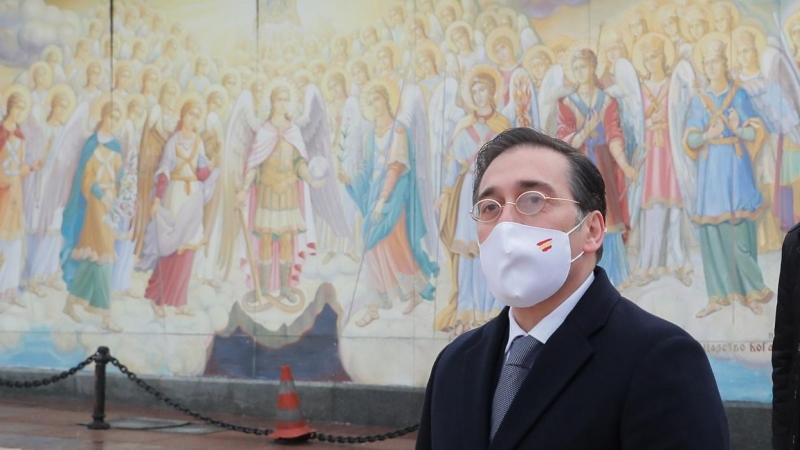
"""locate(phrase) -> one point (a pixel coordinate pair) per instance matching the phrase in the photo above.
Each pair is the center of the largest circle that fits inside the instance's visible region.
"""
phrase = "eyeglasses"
(528, 203)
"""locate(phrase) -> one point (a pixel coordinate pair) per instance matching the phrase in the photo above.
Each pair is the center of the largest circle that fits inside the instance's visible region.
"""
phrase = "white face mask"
(526, 265)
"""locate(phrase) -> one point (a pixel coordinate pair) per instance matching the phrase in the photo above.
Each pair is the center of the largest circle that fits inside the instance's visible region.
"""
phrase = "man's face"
(481, 95)
(504, 51)
(697, 29)
(385, 59)
(715, 67)
(746, 55)
(582, 71)
(638, 28)
(525, 169)
(539, 67)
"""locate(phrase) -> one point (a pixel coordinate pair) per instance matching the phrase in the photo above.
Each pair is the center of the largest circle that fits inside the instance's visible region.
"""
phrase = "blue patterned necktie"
(521, 356)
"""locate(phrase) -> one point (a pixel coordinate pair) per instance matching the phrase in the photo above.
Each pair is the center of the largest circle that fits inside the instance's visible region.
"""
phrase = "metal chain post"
(99, 413)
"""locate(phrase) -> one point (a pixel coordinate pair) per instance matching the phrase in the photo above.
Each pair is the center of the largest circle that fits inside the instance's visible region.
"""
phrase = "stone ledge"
(322, 402)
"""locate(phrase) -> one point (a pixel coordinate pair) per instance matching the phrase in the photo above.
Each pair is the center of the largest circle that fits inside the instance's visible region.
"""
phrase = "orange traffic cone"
(291, 424)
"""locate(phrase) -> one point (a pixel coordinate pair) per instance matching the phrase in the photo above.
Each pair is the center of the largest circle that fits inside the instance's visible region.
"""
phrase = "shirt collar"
(550, 323)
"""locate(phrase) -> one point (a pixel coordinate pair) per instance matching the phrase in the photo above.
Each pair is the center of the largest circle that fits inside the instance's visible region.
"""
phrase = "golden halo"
(120, 66)
(646, 14)
(327, 78)
(576, 46)
(231, 72)
(638, 52)
(394, 97)
(92, 62)
(761, 40)
(429, 46)
(53, 48)
(451, 30)
(66, 90)
(394, 48)
(452, 4)
(282, 82)
(536, 50)
(466, 84)
(342, 37)
(150, 68)
(47, 70)
(218, 89)
(302, 73)
(685, 21)
(665, 11)
(362, 35)
(697, 54)
(790, 22)
(497, 34)
(426, 27)
(612, 35)
(26, 95)
(97, 109)
(733, 9)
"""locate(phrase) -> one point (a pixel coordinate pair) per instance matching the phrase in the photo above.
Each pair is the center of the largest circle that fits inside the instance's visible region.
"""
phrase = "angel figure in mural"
(517, 95)
(726, 16)
(334, 234)
(195, 77)
(124, 81)
(161, 121)
(54, 57)
(90, 86)
(40, 82)
(549, 82)
(696, 22)
(184, 180)
(385, 189)
(348, 127)
(787, 199)
(459, 40)
(130, 137)
(44, 237)
(470, 304)
(88, 253)
(769, 100)
(486, 22)
(77, 63)
(721, 133)
(151, 80)
(656, 199)
(448, 11)
(669, 23)
(638, 20)
(13, 171)
(387, 61)
(276, 199)
(206, 266)
(590, 120)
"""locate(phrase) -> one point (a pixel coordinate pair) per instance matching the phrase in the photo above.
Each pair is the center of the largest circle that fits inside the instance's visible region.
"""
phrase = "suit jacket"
(786, 348)
(612, 376)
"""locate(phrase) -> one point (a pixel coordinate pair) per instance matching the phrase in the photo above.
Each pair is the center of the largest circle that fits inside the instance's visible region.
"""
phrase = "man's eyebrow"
(536, 184)
(488, 192)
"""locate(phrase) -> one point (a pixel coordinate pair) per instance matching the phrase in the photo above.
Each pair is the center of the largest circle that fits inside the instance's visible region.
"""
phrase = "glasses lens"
(530, 203)
(486, 210)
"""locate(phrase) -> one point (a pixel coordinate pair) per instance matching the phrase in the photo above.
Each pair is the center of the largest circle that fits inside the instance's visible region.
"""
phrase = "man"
(570, 364)
(785, 406)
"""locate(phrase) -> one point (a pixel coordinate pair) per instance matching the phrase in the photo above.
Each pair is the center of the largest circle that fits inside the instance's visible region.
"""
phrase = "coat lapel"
(478, 373)
(560, 360)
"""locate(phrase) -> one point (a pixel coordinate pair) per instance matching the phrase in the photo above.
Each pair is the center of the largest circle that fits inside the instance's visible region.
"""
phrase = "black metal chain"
(49, 380)
(363, 439)
(151, 390)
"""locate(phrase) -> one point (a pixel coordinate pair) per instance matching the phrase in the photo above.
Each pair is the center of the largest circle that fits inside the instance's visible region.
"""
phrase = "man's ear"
(596, 230)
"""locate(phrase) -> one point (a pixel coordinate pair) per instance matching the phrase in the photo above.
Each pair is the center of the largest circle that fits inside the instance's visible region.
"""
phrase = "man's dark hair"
(585, 182)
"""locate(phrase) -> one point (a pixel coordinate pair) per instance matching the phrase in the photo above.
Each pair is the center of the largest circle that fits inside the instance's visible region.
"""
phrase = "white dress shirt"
(550, 323)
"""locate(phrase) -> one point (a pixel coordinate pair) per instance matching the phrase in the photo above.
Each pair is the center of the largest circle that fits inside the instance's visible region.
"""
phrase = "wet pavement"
(39, 424)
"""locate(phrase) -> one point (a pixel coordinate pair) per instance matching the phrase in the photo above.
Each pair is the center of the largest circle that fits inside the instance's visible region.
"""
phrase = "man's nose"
(510, 213)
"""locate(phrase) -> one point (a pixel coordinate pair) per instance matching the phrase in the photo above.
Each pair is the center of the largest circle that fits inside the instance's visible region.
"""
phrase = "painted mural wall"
(216, 188)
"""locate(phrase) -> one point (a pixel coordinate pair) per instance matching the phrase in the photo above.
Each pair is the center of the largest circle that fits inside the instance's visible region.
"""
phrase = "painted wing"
(63, 159)
(239, 136)
(522, 109)
(152, 147)
(326, 201)
(551, 90)
(413, 115)
(681, 91)
(444, 115)
(36, 148)
(784, 85)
